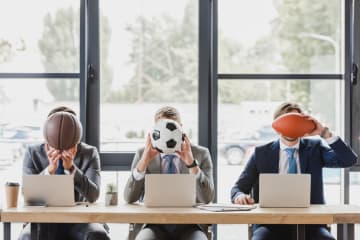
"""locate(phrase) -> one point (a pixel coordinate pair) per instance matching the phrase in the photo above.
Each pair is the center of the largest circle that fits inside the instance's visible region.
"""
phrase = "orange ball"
(293, 125)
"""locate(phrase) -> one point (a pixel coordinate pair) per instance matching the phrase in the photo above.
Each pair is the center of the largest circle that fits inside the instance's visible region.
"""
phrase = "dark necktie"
(291, 159)
(60, 169)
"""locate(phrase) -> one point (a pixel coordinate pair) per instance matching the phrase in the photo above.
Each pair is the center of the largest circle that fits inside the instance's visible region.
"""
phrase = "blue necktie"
(60, 169)
(169, 165)
(291, 159)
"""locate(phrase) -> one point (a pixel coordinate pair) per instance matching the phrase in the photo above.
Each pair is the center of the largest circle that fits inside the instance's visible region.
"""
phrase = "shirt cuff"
(198, 174)
(46, 171)
(332, 139)
(138, 175)
(70, 172)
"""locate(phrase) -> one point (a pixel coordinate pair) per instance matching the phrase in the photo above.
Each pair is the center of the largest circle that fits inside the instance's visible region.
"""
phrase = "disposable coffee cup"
(11, 193)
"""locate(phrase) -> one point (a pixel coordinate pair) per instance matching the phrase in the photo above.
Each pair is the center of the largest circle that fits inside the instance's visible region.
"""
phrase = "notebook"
(48, 190)
(225, 207)
(284, 190)
(170, 190)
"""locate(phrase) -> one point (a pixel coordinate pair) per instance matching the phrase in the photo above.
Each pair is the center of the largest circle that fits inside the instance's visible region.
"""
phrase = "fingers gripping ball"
(62, 130)
(167, 136)
(293, 125)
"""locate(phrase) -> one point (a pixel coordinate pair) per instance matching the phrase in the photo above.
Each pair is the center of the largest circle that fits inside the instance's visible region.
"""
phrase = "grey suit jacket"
(134, 190)
(86, 172)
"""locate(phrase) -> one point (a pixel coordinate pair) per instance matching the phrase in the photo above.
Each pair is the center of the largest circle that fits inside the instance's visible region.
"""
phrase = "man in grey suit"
(83, 163)
(191, 159)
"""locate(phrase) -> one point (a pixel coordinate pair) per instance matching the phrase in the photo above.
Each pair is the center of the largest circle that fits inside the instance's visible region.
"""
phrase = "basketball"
(62, 130)
(293, 125)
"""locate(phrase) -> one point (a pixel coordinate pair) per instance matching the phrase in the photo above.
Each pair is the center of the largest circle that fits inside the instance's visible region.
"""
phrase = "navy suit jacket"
(313, 156)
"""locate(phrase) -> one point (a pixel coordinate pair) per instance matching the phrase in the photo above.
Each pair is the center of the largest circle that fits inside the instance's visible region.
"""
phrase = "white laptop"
(284, 190)
(170, 190)
(48, 190)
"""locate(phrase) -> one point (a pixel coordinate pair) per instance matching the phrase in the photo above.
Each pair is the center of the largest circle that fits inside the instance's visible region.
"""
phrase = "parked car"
(14, 139)
(237, 152)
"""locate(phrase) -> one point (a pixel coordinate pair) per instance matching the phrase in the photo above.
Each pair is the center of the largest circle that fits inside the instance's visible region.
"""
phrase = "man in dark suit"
(83, 163)
(192, 159)
(293, 155)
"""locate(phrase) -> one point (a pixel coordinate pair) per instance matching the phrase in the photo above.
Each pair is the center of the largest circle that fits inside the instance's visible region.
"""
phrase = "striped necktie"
(169, 164)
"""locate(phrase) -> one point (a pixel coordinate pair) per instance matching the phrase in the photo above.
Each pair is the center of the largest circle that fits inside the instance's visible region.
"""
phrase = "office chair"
(135, 228)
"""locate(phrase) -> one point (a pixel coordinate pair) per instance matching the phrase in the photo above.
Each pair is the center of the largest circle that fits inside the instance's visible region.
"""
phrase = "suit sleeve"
(88, 183)
(205, 182)
(338, 154)
(246, 180)
(134, 189)
(28, 164)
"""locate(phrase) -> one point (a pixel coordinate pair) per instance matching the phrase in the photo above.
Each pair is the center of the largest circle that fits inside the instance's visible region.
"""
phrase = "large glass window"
(245, 115)
(149, 58)
(265, 36)
(289, 40)
(39, 36)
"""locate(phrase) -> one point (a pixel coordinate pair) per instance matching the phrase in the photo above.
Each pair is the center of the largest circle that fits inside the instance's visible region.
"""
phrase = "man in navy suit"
(307, 156)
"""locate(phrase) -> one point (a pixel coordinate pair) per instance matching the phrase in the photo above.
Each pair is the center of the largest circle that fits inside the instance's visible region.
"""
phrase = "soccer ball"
(167, 136)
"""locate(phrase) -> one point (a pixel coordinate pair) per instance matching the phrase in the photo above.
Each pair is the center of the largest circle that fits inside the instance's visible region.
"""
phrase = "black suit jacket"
(313, 157)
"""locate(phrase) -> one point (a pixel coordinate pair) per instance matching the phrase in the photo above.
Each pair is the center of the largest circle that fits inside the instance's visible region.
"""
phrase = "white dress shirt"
(177, 161)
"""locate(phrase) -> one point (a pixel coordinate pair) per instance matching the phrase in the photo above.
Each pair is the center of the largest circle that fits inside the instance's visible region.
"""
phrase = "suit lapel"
(155, 165)
(273, 163)
(302, 156)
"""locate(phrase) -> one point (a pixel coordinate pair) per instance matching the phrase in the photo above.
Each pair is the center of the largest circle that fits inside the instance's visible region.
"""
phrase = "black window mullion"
(39, 75)
(90, 76)
(223, 76)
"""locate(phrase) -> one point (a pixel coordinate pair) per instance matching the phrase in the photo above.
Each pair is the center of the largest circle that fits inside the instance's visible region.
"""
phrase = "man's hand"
(68, 157)
(244, 200)
(186, 154)
(148, 155)
(53, 156)
(319, 129)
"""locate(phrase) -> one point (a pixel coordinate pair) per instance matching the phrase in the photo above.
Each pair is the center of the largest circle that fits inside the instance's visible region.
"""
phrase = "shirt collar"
(284, 146)
(164, 154)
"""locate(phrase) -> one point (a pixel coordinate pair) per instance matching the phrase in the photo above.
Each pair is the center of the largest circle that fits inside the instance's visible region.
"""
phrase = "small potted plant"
(111, 196)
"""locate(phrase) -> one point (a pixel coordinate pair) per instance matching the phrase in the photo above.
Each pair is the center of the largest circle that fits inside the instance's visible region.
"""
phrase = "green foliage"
(134, 134)
(59, 45)
(110, 188)
(164, 52)
(297, 26)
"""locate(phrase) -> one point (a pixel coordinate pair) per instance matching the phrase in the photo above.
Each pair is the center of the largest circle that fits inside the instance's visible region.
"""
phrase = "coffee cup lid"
(12, 184)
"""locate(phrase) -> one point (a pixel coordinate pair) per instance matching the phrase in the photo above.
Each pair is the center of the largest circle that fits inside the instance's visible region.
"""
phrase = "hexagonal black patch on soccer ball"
(171, 143)
(156, 135)
(171, 126)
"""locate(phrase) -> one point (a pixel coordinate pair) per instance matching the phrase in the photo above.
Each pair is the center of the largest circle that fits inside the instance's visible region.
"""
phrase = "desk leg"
(345, 231)
(351, 231)
(7, 231)
(301, 232)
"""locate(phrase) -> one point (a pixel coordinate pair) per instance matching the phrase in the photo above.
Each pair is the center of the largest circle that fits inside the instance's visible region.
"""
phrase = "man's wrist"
(71, 169)
(325, 133)
(192, 164)
(51, 169)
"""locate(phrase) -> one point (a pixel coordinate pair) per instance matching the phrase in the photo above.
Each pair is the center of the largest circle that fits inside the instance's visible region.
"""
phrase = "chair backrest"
(134, 229)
